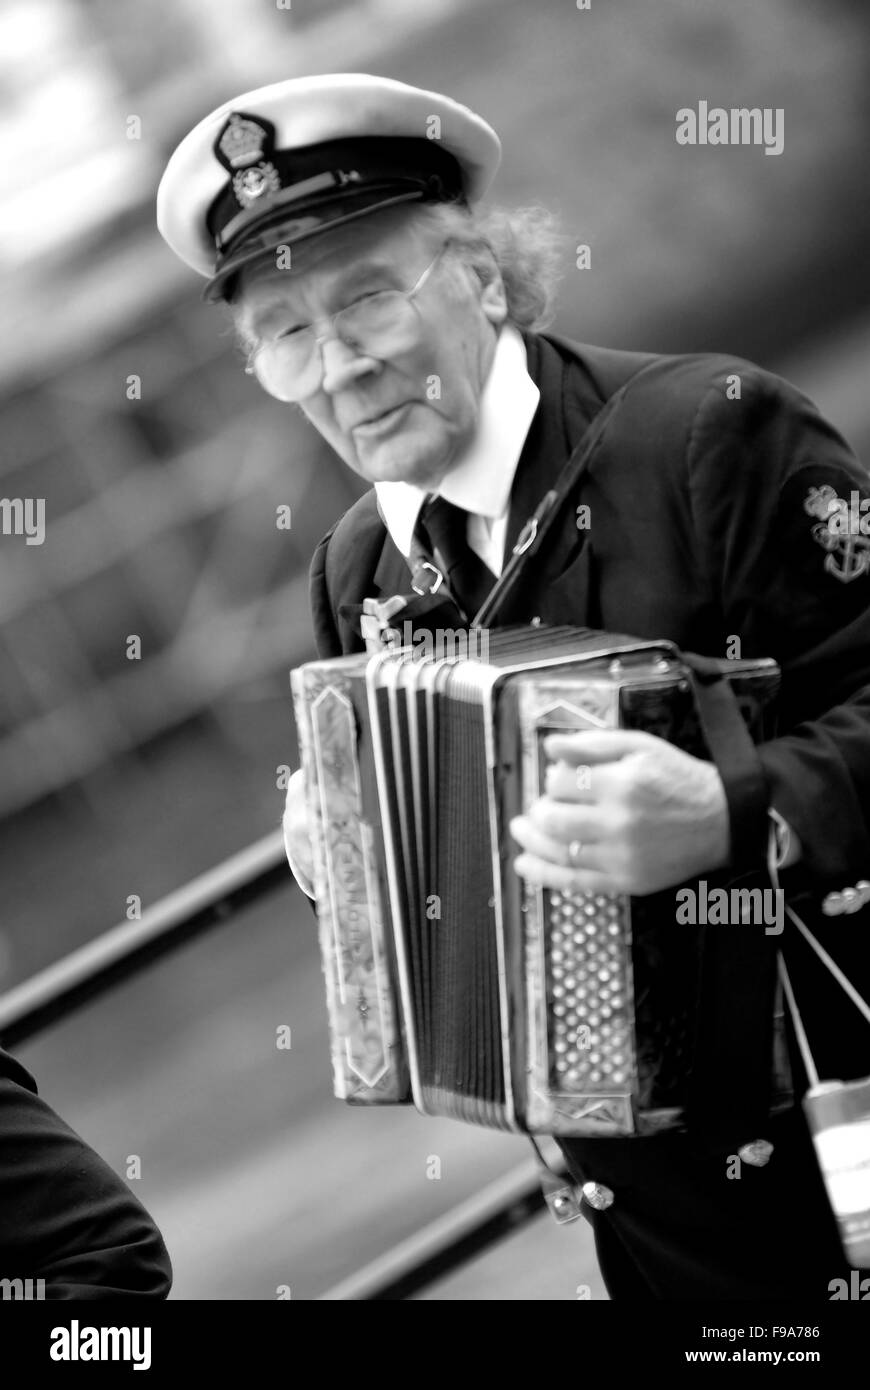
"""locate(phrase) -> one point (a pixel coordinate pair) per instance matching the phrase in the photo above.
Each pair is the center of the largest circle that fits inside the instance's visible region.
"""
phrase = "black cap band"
(281, 196)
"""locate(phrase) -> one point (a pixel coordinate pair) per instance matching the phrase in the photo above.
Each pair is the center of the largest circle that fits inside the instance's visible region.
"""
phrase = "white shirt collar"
(481, 479)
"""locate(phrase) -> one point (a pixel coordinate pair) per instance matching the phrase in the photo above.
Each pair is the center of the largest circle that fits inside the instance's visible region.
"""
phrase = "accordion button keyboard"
(590, 1035)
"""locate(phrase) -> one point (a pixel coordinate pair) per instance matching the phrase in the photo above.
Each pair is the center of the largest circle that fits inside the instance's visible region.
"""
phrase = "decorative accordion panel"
(367, 1054)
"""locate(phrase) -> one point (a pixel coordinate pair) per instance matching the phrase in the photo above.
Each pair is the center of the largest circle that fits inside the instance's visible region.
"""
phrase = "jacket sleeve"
(65, 1216)
(763, 468)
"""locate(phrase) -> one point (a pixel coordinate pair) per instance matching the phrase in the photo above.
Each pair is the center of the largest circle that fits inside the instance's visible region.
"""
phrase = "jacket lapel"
(547, 444)
(557, 588)
(392, 575)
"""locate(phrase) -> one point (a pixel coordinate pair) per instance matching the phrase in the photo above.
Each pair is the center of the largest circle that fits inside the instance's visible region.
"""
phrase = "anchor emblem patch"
(843, 530)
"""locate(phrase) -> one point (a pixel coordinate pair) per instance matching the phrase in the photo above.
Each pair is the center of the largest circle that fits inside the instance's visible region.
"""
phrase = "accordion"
(450, 981)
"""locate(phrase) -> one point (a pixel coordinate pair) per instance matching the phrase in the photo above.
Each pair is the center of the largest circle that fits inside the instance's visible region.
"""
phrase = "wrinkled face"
(405, 416)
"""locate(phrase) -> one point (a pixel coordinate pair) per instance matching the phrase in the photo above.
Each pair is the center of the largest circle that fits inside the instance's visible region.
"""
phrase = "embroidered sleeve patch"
(842, 529)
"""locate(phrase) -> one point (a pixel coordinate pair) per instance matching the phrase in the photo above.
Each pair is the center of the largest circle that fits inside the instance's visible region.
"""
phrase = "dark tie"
(443, 530)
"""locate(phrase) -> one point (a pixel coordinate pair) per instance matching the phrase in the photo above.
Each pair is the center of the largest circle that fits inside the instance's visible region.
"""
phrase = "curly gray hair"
(525, 244)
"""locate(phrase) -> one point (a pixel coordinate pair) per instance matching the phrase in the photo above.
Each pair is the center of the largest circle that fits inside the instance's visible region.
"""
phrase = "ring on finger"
(575, 849)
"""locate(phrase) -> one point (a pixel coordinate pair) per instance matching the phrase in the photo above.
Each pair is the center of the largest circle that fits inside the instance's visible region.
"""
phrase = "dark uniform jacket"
(65, 1216)
(704, 526)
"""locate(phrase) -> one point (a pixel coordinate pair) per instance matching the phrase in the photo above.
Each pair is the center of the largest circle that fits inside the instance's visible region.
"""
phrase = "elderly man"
(339, 219)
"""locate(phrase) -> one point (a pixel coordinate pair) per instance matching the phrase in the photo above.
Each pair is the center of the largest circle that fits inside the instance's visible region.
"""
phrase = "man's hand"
(624, 812)
(297, 841)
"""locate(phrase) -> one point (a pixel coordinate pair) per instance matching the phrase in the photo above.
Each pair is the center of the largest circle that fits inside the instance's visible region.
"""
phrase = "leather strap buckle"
(434, 586)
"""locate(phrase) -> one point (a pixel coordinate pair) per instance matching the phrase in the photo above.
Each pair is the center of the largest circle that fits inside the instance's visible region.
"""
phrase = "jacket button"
(597, 1195)
(832, 906)
(756, 1153)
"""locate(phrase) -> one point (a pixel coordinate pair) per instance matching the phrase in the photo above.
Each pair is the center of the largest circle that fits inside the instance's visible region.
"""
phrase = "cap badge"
(240, 147)
(242, 140)
(251, 184)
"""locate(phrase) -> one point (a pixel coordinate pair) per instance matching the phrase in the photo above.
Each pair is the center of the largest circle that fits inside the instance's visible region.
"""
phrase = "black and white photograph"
(435, 641)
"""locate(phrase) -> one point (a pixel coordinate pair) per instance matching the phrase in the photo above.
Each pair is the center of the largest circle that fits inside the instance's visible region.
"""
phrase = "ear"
(493, 299)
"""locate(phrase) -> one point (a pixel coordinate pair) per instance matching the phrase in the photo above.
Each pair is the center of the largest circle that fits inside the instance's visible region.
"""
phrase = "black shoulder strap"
(538, 526)
(731, 1072)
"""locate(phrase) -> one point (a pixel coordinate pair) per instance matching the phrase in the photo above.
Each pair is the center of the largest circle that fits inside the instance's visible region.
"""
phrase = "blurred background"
(122, 777)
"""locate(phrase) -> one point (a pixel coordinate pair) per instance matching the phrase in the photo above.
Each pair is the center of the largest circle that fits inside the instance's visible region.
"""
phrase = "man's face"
(408, 415)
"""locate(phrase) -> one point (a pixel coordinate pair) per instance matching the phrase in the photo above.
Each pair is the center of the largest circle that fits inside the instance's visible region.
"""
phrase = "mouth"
(383, 424)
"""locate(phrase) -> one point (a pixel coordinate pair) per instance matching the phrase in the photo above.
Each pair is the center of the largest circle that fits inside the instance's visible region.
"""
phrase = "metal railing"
(123, 951)
(209, 901)
(445, 1244)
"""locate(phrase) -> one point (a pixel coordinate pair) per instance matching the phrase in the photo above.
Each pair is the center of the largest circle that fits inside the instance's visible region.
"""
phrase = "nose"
(343, 364)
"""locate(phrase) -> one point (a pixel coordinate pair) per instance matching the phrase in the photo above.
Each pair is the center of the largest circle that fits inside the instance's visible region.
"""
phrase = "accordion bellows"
(449, 981)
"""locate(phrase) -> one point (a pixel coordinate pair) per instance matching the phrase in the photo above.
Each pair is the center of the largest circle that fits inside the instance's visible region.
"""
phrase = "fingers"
(595, 746)
(570, 782)
(566, 821)
(571, 853)
(546, 875)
